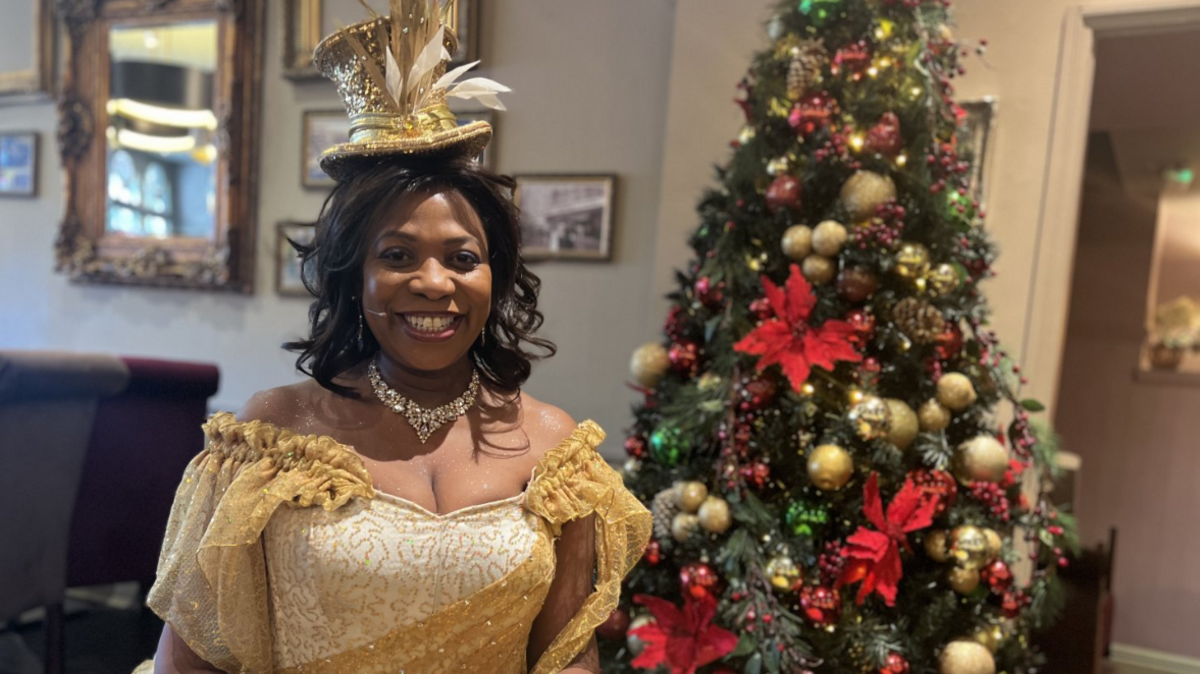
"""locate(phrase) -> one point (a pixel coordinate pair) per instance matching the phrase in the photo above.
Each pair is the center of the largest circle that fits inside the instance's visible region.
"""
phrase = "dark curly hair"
(331, 268)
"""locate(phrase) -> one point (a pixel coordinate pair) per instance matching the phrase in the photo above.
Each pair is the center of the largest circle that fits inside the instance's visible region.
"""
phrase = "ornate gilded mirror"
(158, 135)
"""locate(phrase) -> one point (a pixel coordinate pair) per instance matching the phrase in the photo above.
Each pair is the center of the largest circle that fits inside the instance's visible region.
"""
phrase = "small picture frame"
(974, 139)
(466, 24)
(489, 116)
(288, 281)
(566, 217)
(322, 130)
(18, 164)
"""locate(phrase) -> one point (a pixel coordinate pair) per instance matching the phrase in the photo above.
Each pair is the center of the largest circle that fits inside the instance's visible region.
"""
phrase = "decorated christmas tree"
(843, 475)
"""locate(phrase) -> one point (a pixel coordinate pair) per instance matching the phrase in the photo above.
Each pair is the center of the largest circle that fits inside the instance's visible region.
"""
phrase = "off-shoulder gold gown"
(280, 556)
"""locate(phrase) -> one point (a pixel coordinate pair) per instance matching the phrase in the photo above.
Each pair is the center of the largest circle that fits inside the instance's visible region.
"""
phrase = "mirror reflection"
(162, 131)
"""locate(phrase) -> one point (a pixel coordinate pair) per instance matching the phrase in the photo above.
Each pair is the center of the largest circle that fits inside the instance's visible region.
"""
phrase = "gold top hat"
(391, 74)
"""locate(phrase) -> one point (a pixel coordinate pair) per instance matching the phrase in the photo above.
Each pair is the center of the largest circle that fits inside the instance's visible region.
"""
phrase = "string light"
(901, 159)
(856, 142)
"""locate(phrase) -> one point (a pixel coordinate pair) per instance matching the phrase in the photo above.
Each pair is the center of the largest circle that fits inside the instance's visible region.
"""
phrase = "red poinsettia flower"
(789, 340)
(874, 556)
(682, 640)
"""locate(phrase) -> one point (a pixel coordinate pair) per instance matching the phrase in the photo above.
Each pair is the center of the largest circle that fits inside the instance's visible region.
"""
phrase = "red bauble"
(708, 293)
(822, 605)
(699, 580)
(1013, 602)
(756, 474)
(684, 356)
(761, 309)
(895, 664)
(674, 327)
(884, 138)
(635, 446)
(856, 284)
(949, 342)
(614, 626)
(758, 392)
(812, 113)
(653, 553)
(997, 576)
(854, 58)
(784, 192)
(863, 323)
(936, 484)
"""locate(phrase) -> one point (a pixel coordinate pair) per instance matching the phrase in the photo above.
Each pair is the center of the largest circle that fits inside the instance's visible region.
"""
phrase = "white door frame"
(1058, 218)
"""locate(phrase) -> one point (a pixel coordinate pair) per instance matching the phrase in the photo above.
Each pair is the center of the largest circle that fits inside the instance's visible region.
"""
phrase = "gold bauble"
(905, 425)
(828, 238)
(956, 392)
(783, 573)
(797, 242)
(830, 467)
(966, 657)
(683, 526)
(990, 637)
(936, 545)
(912, 260)
(714, 515)
(963, 581)
(692, 496)
(981, 458)
(933, 417)
(819, 270)
(995, 544)
(943, 279)
(969, 547)
(649, 364)
(632, 642)
(871, 418)
(865, 192)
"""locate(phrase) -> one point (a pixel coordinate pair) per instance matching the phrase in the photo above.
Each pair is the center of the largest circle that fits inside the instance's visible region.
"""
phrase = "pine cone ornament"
(918, 319)
(808, 59)
(664, 508)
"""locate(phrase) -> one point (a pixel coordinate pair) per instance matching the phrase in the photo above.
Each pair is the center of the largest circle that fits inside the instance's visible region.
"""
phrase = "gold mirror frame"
(303, 31)
(38, 79)
(84, 250)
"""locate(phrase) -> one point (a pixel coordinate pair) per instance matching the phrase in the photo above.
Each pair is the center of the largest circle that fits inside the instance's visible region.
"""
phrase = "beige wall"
(590, 81)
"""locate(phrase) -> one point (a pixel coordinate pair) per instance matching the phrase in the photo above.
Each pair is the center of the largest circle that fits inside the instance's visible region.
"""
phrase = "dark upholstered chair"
(140, 443)
(47, 404)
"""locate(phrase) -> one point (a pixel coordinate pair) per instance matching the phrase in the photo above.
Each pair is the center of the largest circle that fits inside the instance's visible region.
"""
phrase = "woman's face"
(427, 285)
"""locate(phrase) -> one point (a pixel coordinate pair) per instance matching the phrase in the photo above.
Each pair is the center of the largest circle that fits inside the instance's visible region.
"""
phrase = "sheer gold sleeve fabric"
(212, 582)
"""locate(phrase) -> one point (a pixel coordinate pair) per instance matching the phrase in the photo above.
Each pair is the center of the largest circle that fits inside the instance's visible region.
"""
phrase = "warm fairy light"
(807, 389)
(885, 62)
(916, 92)
(873, 71)
(902, 159)
(856, 141)
(856, 396)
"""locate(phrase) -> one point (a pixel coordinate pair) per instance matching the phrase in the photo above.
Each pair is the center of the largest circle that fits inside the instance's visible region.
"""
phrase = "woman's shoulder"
(286, 406)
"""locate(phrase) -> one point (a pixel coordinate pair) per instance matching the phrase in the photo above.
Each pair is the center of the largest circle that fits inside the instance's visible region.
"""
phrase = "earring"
(483, 336)
(360, 330)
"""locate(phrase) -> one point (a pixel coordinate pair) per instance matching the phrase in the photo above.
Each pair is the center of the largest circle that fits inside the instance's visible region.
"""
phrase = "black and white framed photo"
(566, 216)
(288, 281)
(322, 130)
(489, 116)
(18, 164)
(974, 139)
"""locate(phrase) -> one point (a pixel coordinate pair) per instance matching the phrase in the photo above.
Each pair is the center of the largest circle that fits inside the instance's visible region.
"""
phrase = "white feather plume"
(427, 60)
(481, 89)
(392, 75)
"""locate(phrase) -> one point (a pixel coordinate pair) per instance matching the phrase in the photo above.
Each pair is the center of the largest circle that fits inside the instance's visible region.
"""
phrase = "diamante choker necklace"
(424, 421)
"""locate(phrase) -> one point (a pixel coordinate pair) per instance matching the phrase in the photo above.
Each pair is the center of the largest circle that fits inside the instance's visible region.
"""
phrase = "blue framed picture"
(18, 164)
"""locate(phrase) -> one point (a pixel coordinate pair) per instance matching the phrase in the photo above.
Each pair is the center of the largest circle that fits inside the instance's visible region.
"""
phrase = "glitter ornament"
(820, 270)
(956, 392)
(683, 526)
(653, 554)
(884, 138)
(864, 192)
(684, 356)
(699, 580)
(997, 576)
(759, 391)
(649, 363)
(822, 605)
(968, 547)
(943, 280)
(829, 237)
(811, 114)
(692, 495)
(830, 467)
(667, 445)
(803, 519)
(871, 418)
(981, 458)
(933, 417)
(797, 242)
(912, 261)
(857, 284)
(937, 545)
(756, 474)
(904, 426)
(863, 323)
(995, 544)
(784, 192)
(966, 657)
(635, 446)
(783, 573)
(614, 626)
(714, 515)
(894, 664)
(962, 580)
(707, 293)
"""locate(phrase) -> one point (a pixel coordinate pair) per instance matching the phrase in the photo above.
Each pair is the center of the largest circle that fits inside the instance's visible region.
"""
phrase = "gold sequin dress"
(280, 556)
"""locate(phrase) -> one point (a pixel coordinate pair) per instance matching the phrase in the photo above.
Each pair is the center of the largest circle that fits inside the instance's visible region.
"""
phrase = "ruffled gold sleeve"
(572, 482)
(211, 584)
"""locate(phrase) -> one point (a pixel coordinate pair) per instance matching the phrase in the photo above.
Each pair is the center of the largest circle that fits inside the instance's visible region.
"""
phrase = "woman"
(408, 508)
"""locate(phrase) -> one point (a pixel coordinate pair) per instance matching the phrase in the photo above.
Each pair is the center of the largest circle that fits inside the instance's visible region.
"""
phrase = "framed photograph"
(566, 216)
(974, 138)
(287, 261)
(489, 116)
(18, 164)
(307, 22)
(322, 130)
(28, 52)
